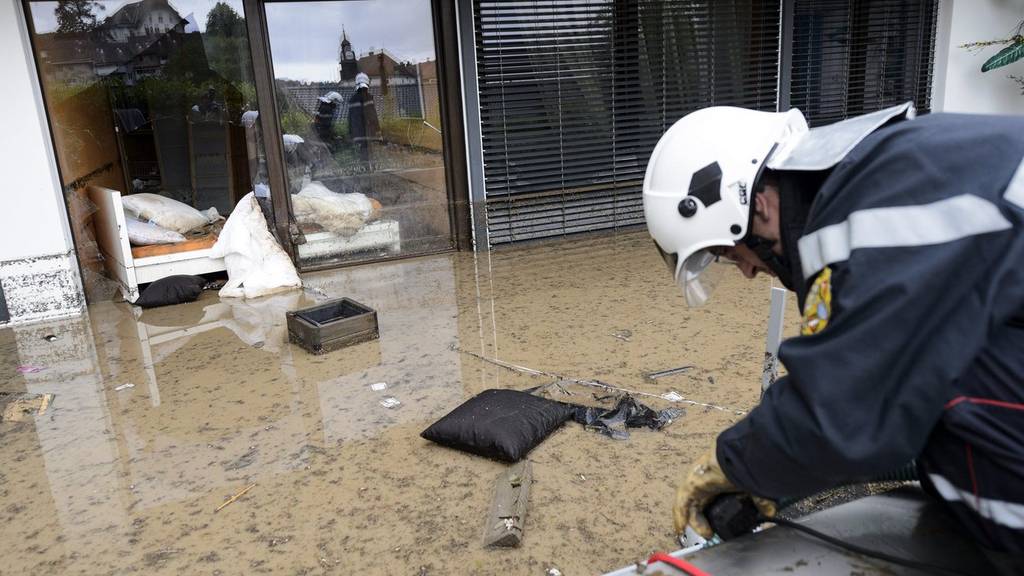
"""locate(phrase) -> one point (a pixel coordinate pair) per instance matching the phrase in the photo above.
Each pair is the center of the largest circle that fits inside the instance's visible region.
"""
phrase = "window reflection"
(357, 91)
(149, 97)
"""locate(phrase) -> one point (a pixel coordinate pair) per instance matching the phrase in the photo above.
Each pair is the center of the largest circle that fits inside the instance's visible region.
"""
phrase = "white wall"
(32, 218)
(960, 85)
(38, 270)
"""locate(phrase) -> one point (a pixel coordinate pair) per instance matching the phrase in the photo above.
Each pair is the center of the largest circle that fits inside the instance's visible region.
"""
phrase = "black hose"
(922, 566)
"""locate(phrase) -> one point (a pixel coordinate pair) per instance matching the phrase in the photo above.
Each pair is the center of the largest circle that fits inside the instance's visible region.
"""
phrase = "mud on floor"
(115, 479)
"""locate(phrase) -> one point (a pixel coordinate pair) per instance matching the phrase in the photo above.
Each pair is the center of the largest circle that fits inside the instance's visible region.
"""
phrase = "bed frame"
(131, 271)
(131, 267)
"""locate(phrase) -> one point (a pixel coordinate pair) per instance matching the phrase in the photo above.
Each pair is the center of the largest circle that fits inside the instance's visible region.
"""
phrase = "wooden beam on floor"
(507, 518)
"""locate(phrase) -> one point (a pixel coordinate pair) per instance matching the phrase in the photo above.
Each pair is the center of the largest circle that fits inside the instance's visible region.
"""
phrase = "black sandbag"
(628, 413)
(171, 290)
(500, 424)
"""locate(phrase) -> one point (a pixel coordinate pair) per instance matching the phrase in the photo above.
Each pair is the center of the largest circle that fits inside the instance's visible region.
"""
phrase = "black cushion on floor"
(500, 424)
(171, 290)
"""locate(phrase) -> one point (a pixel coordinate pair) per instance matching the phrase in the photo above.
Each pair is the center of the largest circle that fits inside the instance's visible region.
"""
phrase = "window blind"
(854, 57)
(574, 95)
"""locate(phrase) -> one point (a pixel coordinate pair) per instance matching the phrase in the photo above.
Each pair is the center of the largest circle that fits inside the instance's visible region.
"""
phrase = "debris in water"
(623, 335)
(390, 402)
(44, 404)
(507, 517)
(124, 387)
(30, 369)
(50, 338)
(25, 405)
(379, 386)
(259, 344)
(591, 383)
(628, 413)
(672, 396)
(244, 460)
(669, 372)
(553, 572)
(235, 497)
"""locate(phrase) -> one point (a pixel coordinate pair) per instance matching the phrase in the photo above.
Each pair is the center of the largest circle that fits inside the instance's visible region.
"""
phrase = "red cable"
(677, 563)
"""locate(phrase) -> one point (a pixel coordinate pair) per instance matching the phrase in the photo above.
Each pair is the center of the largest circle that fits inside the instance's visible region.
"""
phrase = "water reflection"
(112, 480)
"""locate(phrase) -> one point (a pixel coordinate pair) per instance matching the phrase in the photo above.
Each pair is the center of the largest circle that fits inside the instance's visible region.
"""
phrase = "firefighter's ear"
(762, 204)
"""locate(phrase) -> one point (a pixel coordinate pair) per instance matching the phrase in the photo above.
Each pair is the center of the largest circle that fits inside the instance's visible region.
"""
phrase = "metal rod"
(669, 372)
(771, 352)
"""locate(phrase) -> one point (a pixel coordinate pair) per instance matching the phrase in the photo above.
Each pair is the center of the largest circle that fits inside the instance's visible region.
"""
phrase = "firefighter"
(903, 239)
(323, 120)
(363, 125)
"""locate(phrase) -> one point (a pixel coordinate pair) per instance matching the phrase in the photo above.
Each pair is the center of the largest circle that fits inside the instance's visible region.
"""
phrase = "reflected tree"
(76, 16)
(227, 45)
(224, 21)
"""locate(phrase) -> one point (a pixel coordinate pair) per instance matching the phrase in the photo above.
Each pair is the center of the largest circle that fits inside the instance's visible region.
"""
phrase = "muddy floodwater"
(157, 418)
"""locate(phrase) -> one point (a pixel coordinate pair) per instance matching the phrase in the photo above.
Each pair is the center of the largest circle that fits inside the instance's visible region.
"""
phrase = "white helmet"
(362, 80)
(699, 181)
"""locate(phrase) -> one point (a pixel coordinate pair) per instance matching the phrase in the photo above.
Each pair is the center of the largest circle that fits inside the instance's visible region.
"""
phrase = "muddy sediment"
(128, 480)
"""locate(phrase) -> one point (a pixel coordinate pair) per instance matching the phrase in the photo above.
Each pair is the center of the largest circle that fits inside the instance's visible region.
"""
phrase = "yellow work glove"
(704, 481)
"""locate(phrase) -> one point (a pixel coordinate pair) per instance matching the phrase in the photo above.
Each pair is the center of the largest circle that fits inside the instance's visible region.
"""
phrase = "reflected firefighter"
(323, 121)
(363, 124)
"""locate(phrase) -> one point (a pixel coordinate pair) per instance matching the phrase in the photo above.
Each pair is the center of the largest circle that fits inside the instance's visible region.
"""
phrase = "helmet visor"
(701, 274)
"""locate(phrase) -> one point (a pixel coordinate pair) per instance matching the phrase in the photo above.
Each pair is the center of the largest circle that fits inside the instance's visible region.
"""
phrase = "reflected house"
(176, 118)
(134, 42)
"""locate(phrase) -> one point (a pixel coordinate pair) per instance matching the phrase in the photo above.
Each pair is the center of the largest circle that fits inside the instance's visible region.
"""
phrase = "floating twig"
(235, 497)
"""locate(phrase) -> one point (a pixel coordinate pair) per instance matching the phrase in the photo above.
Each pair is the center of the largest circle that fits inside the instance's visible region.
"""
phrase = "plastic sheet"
(628, 413)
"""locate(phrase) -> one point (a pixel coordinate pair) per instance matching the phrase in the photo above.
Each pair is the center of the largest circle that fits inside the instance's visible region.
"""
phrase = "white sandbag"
(342, 214)
(147, 233)
(256, 264)
(164, 212)
(211, 214)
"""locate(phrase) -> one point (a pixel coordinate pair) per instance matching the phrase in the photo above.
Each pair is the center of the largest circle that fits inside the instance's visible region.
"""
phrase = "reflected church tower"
(347, 66)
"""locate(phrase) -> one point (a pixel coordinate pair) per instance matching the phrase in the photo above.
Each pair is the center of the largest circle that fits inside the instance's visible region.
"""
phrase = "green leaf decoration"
(1007, 55)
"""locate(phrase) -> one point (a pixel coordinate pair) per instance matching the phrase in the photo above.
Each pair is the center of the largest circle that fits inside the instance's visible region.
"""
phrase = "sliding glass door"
(149, 97)
(357, 92)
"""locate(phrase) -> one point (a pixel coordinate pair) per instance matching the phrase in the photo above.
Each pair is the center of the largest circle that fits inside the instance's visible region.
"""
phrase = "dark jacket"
(920, 234)
(363, 124)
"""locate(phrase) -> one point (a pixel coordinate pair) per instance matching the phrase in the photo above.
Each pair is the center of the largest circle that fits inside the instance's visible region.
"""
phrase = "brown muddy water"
(112, 479)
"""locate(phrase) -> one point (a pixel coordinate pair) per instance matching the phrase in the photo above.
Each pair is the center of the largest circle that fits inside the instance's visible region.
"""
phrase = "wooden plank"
(186, 246)
(507, 518)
